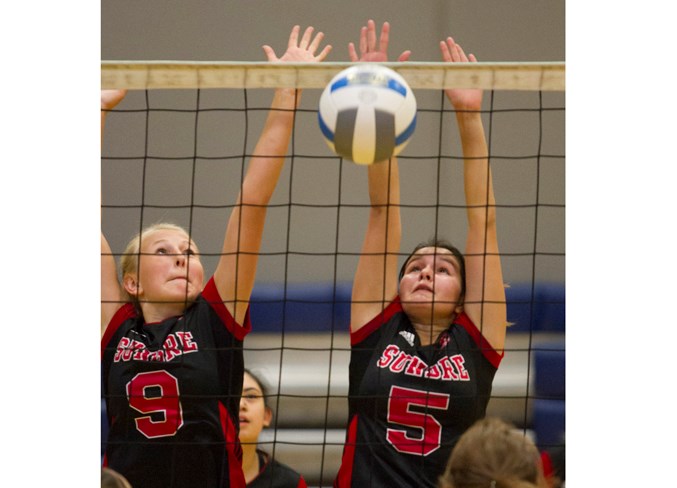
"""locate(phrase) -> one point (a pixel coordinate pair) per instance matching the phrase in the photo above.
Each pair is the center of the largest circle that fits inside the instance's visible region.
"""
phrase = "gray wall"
(531, 236)
(207, 30)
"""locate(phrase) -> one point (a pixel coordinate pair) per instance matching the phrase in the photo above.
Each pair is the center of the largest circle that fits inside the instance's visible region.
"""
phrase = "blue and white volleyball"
(367, 113)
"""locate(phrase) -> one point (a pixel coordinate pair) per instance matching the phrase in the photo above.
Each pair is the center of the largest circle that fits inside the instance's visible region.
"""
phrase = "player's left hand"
(460, 98)
(300, 51)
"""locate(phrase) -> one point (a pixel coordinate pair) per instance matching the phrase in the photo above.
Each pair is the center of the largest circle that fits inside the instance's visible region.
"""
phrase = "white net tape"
(433, 76)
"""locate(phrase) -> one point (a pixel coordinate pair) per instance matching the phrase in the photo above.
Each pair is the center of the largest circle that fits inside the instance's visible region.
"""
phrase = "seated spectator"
(260, 469)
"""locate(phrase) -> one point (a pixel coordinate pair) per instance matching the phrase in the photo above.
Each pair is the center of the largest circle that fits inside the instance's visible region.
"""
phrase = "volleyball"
(367, 113)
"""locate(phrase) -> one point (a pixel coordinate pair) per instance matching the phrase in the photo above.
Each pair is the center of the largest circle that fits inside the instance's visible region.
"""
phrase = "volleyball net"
(176, 150)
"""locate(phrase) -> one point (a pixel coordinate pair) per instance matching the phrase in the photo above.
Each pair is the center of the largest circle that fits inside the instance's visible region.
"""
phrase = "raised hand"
(460, 98)
(300, 51)
(369, 51)
(110, 98)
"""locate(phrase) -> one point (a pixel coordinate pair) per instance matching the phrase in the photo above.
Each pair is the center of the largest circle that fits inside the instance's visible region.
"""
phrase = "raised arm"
(111, 292)
(375, 283)
(485, 292)
(236, 270)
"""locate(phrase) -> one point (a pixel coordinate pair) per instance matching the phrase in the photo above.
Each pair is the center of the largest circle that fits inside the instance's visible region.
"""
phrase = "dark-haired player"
(425, 349)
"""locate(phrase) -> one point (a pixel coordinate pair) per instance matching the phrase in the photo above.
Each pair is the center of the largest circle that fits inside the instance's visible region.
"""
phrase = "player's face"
(169, 268)
(431, 277)
(254, 415)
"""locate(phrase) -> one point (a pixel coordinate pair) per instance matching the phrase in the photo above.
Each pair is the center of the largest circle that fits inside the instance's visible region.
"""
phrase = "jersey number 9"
(164, 401)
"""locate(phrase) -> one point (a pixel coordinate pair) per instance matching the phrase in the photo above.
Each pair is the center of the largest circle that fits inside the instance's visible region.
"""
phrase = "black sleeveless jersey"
(274, 474)
(172, 393)
(409, 404)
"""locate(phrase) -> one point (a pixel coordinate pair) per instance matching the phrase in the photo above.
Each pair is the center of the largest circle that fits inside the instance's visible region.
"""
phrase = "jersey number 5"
(400, 412)
(164, 389)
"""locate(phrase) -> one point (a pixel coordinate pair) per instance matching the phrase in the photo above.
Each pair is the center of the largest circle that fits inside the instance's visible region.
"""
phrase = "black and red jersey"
(172, 393)
(274, 474)
(408, 403)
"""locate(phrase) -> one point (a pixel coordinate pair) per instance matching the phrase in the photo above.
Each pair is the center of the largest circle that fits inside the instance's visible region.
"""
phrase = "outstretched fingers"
(462, 99)
(444, 49)
(371, 35)
(269, 52)
(460, 54)
(453, 52)
(300, 50)
(294, 37)
(385, 37)
(364, 47)
(352, 53)
(323, 54)
(404, 56)
(307, 36)
(316, 43)
(373, 47)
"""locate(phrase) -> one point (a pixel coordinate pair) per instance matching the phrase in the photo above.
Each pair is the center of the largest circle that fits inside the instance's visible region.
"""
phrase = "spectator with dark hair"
(260, 469)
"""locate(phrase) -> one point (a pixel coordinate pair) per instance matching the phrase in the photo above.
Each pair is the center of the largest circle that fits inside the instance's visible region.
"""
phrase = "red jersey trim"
(487, 350)
(393, 307)
(546, 461)
(262, 468)
(211, 294)
(123, 313)
(462, 319)
(269, 459)
(345, 473)
(233, 449)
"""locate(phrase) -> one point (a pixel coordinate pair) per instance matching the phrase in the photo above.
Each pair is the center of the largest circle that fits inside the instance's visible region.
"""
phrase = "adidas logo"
(408, 336)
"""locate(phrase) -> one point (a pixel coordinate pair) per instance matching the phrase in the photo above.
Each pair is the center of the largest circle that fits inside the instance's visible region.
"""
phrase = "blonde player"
(172, 346)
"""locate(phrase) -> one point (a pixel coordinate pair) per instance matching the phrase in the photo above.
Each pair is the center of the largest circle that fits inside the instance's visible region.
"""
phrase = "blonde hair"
(129, 261)
(112, 479)
(492, 453)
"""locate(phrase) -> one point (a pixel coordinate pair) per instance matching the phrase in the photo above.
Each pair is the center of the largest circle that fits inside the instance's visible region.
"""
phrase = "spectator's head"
(255, 413)
(112, 479)
(493, 454)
